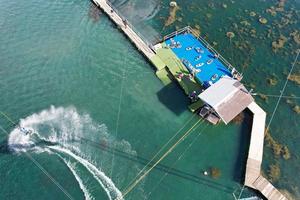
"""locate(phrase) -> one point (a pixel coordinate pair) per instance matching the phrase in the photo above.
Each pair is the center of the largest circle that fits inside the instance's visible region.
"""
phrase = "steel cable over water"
(124, 77)
(183, 153)
(160, 150)
(36, 162)
(128, 189)
(283, 89)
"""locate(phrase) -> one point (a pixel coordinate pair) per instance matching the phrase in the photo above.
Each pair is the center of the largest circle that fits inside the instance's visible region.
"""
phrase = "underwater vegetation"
(215, 172)
(172, 13)
(272, 81)
(196, 30)
(274, 172)
(295, 78)
(279, 43)
(293, 105)
(239, 118)
(263, 97)
(277, 148)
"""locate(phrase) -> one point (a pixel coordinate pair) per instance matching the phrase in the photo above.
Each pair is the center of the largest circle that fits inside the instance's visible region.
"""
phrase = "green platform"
(174, 66)
(158, 63)
(168, 66)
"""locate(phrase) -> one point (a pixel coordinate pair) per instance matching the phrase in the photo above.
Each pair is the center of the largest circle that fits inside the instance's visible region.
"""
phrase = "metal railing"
(188, 29)
(130, 25)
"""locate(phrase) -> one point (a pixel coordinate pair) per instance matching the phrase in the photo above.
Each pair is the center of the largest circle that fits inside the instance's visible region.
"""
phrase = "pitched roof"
(228, 97)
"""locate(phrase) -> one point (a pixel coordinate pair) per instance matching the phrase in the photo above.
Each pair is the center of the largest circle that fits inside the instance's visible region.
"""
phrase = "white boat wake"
(58, 131)
(106, 183)
(85, 191)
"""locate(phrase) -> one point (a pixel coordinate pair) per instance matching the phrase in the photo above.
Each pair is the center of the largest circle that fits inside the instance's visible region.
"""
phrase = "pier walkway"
(253, 177)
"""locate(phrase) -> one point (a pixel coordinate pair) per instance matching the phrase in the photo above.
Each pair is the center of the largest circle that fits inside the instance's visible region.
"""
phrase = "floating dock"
(206, 76)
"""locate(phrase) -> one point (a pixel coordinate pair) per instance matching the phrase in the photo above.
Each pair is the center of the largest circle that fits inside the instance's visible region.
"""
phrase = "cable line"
(179, 158)
(160, 159)
(36, 162)
(283, 89)
(124, 75)
(8, 118)
(160, 150)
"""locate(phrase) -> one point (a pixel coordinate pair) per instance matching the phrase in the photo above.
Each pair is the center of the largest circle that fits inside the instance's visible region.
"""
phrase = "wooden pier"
(253, 177)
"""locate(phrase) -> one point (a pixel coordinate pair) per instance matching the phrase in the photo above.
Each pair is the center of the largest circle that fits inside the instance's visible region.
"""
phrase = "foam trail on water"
(109, 187)
(18, 141)
(58, 130)
(85, 191)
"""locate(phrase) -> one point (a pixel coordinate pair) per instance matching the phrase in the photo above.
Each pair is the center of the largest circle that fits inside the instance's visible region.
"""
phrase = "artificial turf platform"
(174, 66)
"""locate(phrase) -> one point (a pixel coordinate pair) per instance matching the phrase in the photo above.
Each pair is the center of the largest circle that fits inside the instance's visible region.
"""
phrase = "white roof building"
(228, 97)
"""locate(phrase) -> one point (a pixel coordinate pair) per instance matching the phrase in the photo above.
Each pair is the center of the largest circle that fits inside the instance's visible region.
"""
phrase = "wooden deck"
(253, 177)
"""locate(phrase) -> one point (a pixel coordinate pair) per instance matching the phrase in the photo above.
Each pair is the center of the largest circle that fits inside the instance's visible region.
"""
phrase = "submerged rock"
(263, 20)
(252, 14)
(297, 109)
(271, 11)
(230, 35)
(245, 23)
(173, 4)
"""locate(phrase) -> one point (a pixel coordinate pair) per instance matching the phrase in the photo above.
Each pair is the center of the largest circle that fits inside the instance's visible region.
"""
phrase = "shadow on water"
(244, 141)
(4, 147)
(173, 98)
(94, 13)
(164, 168)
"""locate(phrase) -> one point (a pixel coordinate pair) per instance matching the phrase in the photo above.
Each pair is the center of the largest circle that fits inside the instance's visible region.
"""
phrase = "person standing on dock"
(125, 23)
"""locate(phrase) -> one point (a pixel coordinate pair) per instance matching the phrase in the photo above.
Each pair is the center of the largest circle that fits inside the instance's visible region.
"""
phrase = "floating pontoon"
(213, 78)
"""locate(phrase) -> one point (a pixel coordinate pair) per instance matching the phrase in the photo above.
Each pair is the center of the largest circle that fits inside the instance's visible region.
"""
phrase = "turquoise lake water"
(101, 114)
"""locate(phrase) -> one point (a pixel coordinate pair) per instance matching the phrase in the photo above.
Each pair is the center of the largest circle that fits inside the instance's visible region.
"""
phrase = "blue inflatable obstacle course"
(202, 63)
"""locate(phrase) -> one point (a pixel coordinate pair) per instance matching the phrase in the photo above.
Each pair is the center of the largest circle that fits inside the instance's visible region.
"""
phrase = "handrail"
(129, 24)
(206, 44)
